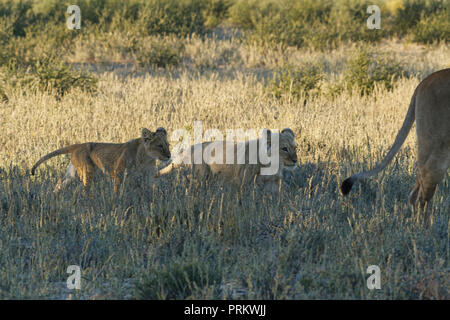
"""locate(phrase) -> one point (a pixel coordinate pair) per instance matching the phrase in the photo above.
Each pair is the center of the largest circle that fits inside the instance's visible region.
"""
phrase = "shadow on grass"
(181, 238)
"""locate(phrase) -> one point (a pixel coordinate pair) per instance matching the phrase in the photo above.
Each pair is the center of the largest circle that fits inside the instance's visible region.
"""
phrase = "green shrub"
(241, 13)
(158, 53)
(323, 24)
(287, 22)
(296, 83)
(433, 28)
(366, 69)
(60, 78)
(317, 24)
(6, 31)
(179, 280)
(409, 14)
(37, 43)
(215, 12)
(350, 20)
(50, 75)
(180, 17)
(322, 36)
(18, 13)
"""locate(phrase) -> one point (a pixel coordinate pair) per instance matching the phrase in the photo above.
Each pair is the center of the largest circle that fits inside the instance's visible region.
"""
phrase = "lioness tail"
(346, 186)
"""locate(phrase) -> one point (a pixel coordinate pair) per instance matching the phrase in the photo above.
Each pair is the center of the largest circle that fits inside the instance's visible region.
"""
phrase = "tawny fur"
(242, 174)
(430, 108)
(138, 155)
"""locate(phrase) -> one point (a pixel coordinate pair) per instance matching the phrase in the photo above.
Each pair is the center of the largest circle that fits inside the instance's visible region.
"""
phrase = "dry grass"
(308, 242)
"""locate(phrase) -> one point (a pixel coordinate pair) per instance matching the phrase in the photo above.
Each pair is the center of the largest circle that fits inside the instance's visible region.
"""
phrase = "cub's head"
(287, 147)
(156, 143)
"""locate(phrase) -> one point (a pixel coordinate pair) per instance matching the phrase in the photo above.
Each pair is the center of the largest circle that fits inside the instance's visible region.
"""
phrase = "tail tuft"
(33, 171)
(166, 169)
(346, 186)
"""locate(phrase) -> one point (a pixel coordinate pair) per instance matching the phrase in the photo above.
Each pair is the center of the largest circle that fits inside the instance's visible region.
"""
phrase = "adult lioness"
(135, 155)
(430, 108)
(242, 162)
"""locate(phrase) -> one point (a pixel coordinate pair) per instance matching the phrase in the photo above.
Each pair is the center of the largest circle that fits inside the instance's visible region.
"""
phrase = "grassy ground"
(182, 238)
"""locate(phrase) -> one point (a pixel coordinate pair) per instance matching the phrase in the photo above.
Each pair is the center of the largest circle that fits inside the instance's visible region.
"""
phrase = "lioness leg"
(70, 175)
(430, 174)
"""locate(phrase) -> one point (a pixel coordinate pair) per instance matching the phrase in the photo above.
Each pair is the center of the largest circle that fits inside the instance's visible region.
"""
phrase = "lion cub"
(245, 171)
(137, 155)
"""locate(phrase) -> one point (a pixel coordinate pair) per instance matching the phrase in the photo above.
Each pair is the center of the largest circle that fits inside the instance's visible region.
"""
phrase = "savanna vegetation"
(312, 66)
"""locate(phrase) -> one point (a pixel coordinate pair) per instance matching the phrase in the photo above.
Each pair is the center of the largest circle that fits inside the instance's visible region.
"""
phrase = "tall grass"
(231, 64)
(182, 238)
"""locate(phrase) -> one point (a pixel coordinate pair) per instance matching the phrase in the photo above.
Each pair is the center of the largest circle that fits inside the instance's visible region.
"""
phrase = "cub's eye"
(284, 149)
(160, 146)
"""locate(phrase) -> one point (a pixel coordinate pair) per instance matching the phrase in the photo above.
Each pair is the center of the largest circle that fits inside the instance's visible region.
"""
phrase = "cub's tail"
(55, 153)
(167, 168)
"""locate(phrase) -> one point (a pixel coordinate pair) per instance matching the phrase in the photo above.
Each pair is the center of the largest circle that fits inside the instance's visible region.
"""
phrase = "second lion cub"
(137, 155)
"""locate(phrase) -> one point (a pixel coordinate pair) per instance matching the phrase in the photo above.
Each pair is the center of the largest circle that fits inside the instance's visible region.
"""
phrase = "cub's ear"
(146, 134)
(266, 133)
(289, 132)
(162, 130)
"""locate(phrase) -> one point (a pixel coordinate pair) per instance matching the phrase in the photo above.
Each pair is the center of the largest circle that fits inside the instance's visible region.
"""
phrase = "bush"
(215, 12)
(241, 13)
(179, 280)
(322, 36)
(322, 24)
(367, 68)
(350, 21)
(410, 12)
(296, 83)
(60, 78)
(158, 53)
(287, 22)
(180, 17)
(433, 28)
(18, 13)
(48, 74)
